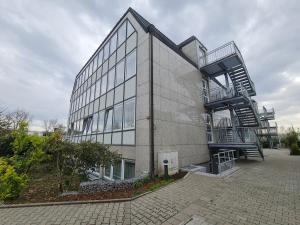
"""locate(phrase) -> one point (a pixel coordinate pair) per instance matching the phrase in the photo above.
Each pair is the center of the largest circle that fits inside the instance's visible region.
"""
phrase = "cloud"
(44, 44)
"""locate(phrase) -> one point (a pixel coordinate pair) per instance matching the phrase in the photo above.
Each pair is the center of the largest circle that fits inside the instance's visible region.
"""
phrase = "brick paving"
(258, 193)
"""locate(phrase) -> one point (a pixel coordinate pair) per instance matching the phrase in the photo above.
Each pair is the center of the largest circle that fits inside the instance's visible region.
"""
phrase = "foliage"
(138, 184)
(294, 149)
(6, 145)
(28, 149)
(73, 160)
(11, 184)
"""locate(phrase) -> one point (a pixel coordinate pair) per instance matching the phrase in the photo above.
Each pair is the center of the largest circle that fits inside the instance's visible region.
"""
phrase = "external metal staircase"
(227, 59)
(236, 97)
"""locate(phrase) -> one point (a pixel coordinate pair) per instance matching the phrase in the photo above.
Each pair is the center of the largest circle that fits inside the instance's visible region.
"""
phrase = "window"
(86, 125)
(108, 120)
(96, 105)
(100, 138)
(95, 122)
(117, 138)
(112, 60)
(107, 170)
(130, 88)
(129, 114)
(103, 84)
(100, 57)
(106, 51)
(119, 93)
(121, 52)
(130, 29)
(98, 87)
(92, 93)
(122, 34)
(117, 170)
(118, 112)
(131, 43)
(113, 43)
(120, 73)
(100, 121)
(105, 67)
(129, 169)
(128, 138)
(131, 64)
(107, 139)
(110, 98)
(102, 102)
(111, 79)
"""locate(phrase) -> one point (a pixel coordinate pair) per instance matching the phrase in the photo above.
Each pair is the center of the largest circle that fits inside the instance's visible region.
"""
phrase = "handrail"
(234, 135)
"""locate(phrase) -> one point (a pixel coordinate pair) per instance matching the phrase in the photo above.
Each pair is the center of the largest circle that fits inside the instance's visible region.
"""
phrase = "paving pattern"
(258, 193)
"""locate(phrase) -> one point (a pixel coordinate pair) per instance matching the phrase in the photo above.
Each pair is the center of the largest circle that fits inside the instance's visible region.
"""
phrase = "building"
(150, 98)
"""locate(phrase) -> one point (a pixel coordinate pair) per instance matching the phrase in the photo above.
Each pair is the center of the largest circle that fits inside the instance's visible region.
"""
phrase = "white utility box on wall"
(172, 158)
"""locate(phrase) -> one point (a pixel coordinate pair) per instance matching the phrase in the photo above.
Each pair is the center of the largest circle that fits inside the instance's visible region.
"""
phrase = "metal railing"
(224, 160)
(220, 93)
(235, 135)
(267, 114)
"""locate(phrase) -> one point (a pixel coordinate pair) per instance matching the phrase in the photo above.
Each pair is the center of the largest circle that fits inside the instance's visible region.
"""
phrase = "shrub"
(294, 149)
(6, 145)
(11, 184)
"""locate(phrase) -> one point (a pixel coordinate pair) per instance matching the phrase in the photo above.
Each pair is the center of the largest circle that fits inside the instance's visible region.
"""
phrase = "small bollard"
(166, 170)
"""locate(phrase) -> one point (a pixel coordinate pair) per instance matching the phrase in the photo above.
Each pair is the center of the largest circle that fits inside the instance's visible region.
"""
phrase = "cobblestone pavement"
(258, 193)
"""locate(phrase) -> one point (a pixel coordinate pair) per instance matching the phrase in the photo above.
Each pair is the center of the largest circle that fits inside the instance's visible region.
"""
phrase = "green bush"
(11, 184)
(6, 145)
(138, 184)
(294, 149)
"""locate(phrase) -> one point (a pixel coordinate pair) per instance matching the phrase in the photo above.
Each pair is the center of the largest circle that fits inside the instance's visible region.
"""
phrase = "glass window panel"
(128, 138)
(108, 120)
(121, 52)
(99, 70)
(95, 63)
(110, 98)
(106, 51)
(131, 64)
(119, 93)
(103, 84)
(100, 57)
(130, 29)
(117, 138)
(120, 72)
(130, 88)
(111, 79)
(129, 170)
(93, 138)
(96, 105)
(112, 60)
(117, 170)
(107, 139)
(129, 114)
(100, 121)
(107, 170)
(118, 112)
(102, 102)
(88, 94)
(131, 43)
(113, 43)
(92, 93)
(122, 34)
(95, 122)
(94, 78)
(91, 108)
(100, 138)
(105, 67)
(98, 87)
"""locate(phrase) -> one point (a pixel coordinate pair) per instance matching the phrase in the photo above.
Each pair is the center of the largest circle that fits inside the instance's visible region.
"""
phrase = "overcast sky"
(44, 44)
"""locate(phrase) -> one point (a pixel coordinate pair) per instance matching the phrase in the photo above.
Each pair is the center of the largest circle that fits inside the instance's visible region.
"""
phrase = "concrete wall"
(141, 152)
(193, 51)
(178, 107)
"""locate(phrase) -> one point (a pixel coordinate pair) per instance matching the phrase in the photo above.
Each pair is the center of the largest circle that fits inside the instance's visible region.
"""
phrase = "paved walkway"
(258, 193)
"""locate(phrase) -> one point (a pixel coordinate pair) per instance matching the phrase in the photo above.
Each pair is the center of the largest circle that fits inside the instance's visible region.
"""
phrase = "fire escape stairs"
(228, 60)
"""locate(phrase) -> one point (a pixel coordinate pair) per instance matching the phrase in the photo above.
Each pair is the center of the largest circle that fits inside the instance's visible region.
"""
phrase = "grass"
(152, 186)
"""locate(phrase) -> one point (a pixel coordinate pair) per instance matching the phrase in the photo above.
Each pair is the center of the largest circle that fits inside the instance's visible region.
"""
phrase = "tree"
(17, 117)
(73, 160)
(50, 125)
(4, 123)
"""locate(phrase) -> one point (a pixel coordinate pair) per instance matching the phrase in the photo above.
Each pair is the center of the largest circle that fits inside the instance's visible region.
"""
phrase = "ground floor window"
(120, 170)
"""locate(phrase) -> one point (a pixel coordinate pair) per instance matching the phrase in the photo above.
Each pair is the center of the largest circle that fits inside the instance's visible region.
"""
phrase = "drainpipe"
(151, 111)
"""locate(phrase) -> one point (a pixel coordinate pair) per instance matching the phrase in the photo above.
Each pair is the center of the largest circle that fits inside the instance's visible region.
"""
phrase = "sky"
(44, 44)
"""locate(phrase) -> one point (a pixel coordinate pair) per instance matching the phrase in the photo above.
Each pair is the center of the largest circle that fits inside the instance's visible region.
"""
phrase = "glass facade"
(104, 95)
